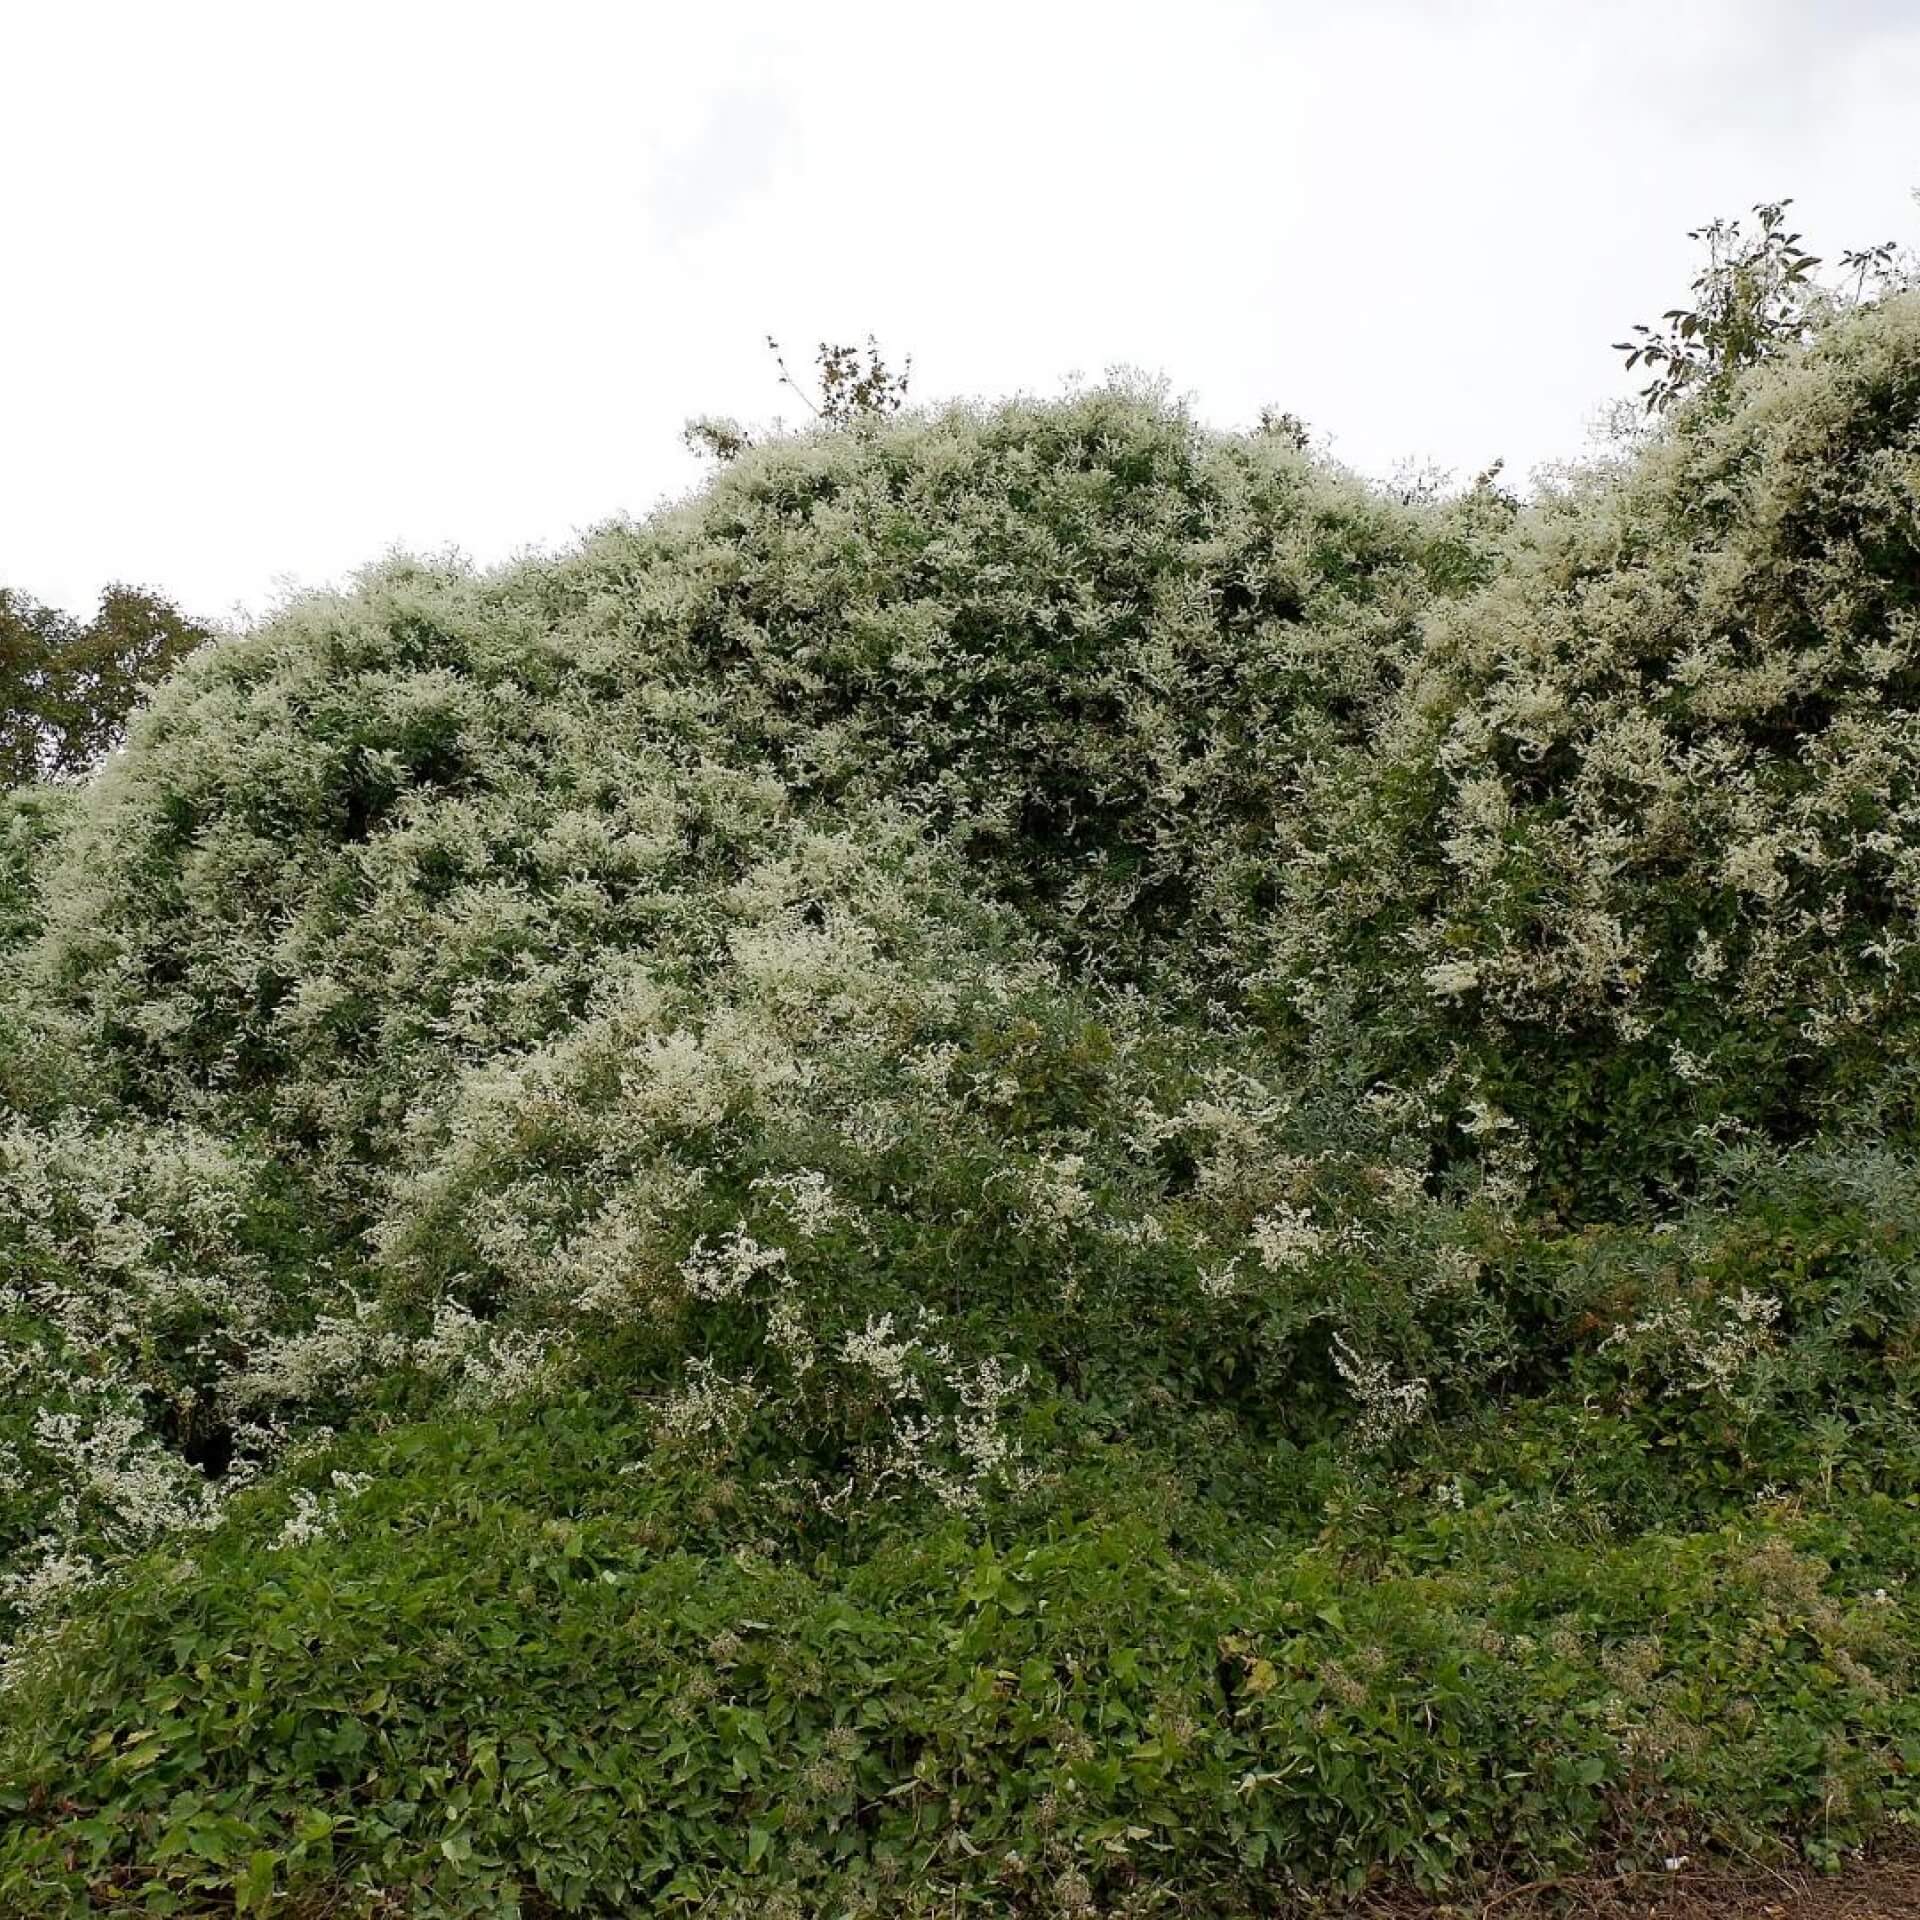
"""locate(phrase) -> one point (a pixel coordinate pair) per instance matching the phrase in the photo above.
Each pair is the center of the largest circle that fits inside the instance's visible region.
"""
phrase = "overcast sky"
(285, 285)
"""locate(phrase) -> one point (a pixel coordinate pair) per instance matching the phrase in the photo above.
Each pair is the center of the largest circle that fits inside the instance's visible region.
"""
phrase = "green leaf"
(254, 1888)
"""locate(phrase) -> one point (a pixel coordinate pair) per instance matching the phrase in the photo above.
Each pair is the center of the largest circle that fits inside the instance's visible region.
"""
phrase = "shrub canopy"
(992, 942)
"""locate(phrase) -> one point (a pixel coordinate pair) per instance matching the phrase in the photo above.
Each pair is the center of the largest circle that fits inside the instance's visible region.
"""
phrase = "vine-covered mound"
(1039, 1158)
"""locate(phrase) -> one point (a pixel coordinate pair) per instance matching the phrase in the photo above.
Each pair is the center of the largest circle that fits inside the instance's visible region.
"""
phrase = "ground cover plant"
(1040, 1162)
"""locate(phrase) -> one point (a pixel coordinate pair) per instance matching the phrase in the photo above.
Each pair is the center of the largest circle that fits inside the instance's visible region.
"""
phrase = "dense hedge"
(1239, 1152)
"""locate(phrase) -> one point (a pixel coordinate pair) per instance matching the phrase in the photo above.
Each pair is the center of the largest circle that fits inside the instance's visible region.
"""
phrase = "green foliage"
(1756, 301)
(67, 687)
(1040, 1160)
(1752, 301)
(30, 822)
(540, 1669)
(1627, 861)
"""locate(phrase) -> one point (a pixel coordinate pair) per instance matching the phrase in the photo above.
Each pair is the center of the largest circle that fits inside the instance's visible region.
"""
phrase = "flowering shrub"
(1633, 854)
(1004, 965)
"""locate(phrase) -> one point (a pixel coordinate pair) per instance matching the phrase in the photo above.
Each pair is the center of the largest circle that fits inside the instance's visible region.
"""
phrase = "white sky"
(284, 285)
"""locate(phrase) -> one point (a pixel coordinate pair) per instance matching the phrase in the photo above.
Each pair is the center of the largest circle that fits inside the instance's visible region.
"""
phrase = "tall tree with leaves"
(68, 685)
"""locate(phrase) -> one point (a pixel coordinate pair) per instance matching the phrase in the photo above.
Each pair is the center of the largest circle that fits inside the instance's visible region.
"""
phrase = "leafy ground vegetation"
(1041, 1163)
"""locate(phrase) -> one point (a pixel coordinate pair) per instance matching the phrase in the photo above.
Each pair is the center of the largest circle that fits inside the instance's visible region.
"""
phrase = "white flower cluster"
(709, 1407)
(959, 1450)
(315, 1516)
(1387, 1406)
(1286, 1239)
(1703, 1349)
